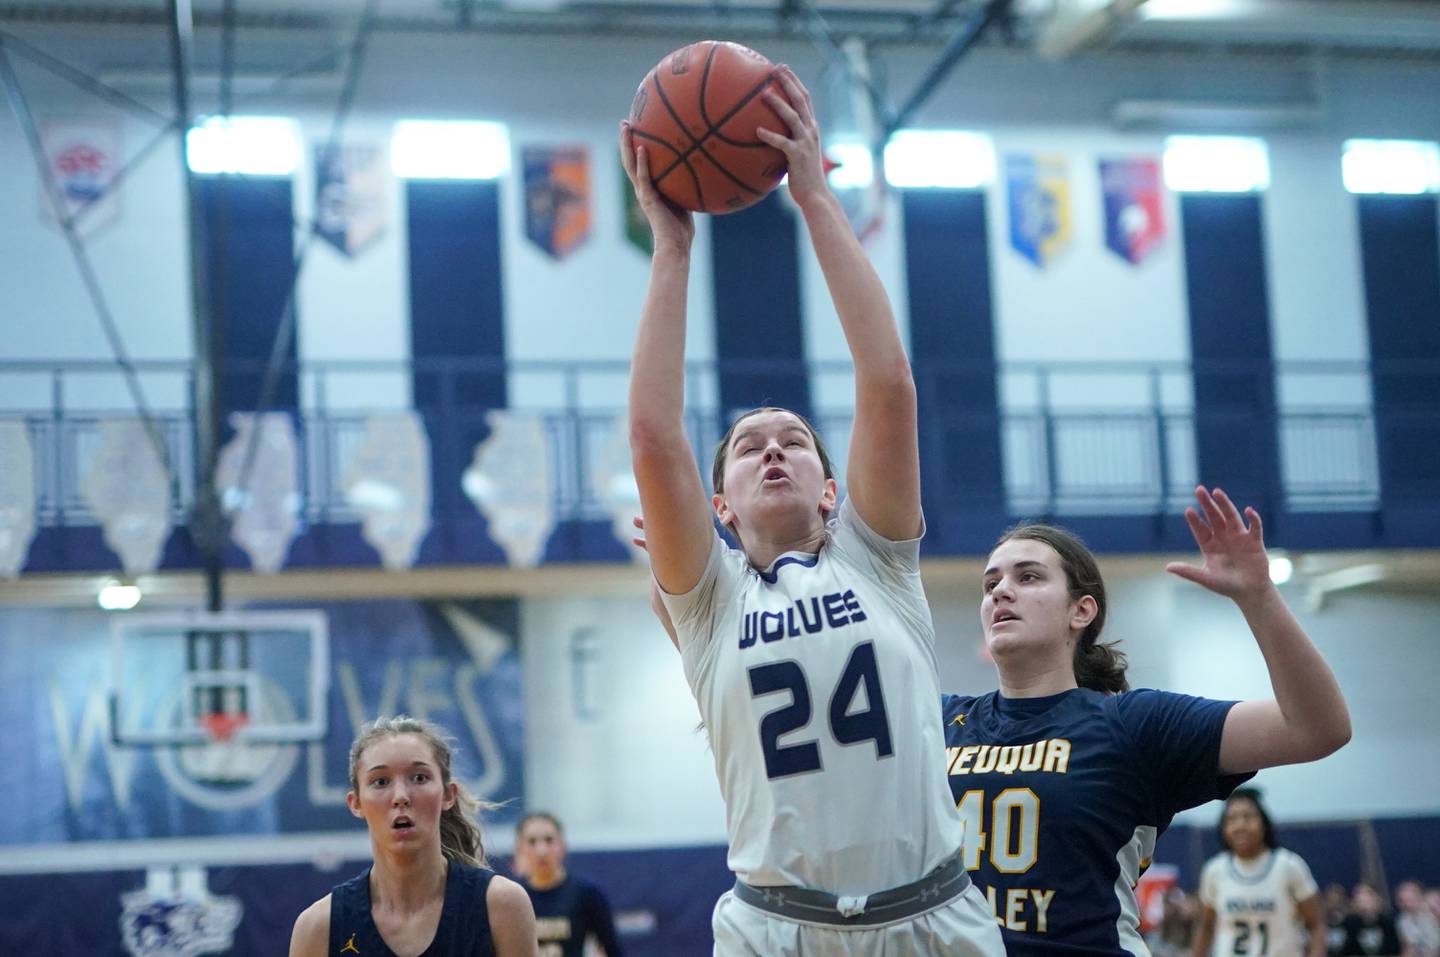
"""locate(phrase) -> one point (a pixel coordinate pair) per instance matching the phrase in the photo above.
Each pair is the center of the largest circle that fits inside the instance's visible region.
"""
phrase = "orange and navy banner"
(557, 197)
(1134, 207)
(1039, 188)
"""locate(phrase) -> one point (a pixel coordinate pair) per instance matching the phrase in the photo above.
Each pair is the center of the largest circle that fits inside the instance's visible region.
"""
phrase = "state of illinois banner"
(84, 158)
(1134, 207)
(557, 197)
(1039, 201)
(351, 193)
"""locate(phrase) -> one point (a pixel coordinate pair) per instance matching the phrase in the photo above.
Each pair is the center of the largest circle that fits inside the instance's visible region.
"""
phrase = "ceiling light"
(118, 596)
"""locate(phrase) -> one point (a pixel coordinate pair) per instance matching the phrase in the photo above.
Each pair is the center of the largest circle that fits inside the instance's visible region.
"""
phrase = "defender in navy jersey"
(428, 892)
(1065, 777)
(568, 910)
(1061, 818)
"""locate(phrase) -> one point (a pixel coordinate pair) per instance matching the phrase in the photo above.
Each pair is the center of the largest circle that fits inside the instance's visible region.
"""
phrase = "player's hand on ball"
(1236, 565)
(670, 225)
(802, 146)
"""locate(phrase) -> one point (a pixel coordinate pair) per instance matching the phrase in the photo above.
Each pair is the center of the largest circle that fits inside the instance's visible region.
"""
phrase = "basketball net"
(221, 726)
(226, 759)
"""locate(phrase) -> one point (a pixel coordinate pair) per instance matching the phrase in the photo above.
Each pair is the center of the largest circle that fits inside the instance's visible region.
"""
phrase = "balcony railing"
(1101, 438)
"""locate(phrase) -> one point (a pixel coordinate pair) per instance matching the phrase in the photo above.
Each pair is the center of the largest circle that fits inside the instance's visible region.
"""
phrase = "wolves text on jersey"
(805, 616)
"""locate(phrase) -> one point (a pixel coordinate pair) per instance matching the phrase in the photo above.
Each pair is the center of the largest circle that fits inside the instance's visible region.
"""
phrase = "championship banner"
(84, 157)
(1039, 188)
(351, 194)
(17, 496)
(387, 480)
(637, 227)
(1134, 207)
(511, 482)
(265, 514)
(557, 197)
(126, 488)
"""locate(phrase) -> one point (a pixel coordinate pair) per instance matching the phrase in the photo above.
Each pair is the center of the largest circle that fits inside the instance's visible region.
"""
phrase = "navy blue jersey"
(464, 929)
(1063, 798)
(568, 913)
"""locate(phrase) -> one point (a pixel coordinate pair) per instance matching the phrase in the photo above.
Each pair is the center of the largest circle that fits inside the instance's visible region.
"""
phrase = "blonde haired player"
(810, 649)
(1255, 893)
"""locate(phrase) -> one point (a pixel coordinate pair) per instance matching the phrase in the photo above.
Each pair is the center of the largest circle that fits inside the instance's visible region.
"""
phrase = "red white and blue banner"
(1134, 207)
(84, 157)
(557, 197)
(1039, 201)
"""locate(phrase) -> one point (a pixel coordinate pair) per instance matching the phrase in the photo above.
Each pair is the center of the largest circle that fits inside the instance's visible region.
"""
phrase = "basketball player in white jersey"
(810, 648)
(1256, 893)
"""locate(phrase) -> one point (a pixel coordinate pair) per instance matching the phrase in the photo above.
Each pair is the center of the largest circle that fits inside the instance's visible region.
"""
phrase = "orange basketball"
(696, 115)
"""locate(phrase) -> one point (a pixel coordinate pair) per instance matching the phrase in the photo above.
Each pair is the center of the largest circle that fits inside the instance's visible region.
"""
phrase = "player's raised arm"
(1307, 719)
(883, 474)
(672, 498)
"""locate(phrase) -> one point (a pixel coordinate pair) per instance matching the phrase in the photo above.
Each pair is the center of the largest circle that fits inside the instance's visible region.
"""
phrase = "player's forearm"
(657, 372)
(1204, 940)
(857, 293)
(1316, 718)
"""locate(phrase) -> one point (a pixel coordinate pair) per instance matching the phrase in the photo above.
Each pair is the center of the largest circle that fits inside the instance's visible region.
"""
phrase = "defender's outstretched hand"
(669, 224)
(802, 146)
(1236, 565)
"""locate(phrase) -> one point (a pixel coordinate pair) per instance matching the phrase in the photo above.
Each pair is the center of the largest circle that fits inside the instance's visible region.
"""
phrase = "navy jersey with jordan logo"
(1063, 798)
(463, 931)
(568, 913)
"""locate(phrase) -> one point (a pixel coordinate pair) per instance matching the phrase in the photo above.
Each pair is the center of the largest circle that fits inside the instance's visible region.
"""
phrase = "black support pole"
(207, 526)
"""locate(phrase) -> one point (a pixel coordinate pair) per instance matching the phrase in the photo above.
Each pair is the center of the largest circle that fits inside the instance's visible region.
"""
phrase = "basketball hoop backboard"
(197, 678)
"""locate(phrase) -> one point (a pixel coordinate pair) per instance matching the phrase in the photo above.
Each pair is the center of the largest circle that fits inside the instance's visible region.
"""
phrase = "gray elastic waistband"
(940, 886)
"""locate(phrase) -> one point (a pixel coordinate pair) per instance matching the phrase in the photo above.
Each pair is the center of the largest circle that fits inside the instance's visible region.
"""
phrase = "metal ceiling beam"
(879, 21)
(961, 42)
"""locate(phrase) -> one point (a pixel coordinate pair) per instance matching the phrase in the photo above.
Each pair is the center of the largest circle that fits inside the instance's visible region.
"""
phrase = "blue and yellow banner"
(557, 197)
(1039, 200)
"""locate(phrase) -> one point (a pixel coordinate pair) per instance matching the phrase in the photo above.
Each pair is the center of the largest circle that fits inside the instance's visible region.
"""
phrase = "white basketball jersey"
(1254, 903)
(816, 681)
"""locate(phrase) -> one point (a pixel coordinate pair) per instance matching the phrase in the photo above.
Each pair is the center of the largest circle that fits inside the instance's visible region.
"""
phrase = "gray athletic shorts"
(962, 927)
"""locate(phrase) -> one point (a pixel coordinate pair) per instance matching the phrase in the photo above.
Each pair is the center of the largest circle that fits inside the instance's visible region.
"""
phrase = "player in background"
(1255, 893)
(568, 910)
(810, 649)
(428, 890)
(1066, 778)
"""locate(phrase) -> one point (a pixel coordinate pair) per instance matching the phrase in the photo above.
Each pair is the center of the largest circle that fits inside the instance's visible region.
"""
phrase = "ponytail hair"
(460, 837)
(1099, 667)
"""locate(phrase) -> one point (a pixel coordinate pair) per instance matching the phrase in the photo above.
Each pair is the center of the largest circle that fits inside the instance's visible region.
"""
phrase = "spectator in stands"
(1432, 901)
(1419, 929)
(568, 910)
(1337, 908)
(1176, 933)
(1369, 930)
